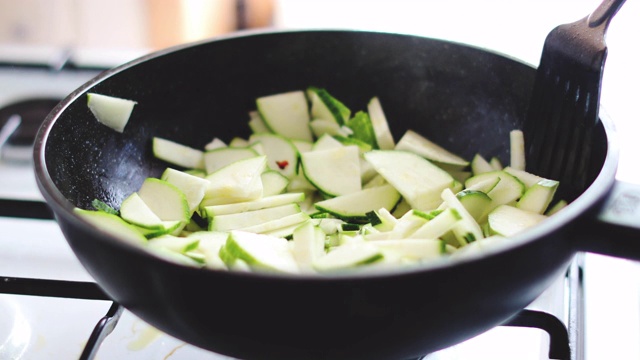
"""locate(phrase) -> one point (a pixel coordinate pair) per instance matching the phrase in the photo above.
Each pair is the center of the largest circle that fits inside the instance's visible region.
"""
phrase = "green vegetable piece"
(363, 129)
(104, 207)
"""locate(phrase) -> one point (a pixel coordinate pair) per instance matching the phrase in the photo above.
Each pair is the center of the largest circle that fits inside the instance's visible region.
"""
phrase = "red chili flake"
(282, 164)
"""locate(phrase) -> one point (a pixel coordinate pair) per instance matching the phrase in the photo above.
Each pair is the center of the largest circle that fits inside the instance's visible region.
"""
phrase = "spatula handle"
(604, 13)
(615, 228)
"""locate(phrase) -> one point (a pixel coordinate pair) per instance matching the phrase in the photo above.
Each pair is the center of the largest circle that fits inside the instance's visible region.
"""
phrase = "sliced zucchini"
(273, 183)
(111, 111)
(480, 165)
(136, 212)
(477, 203)
(335, 171)
(249, 218)
(281, 154)
(286, 114)
(258, 251)
(516, 138)
(384, 138)
(418, 144)
(438, 226)
(215, 143)
(363, 130)
(192, 186)
(354, 207)
(348, 256)
(167, 201)
(177, 154)
(412, 249)
(262, 203)
(418, 180)
(508, 220)
(559, 205)
(236, 182)
(527, 178)
(538, 197)
(326, 142)
(324, 106)
(308, 244)
(113, 225)
(216, 159)
(466, 230)
(256, 124)
(508, 190)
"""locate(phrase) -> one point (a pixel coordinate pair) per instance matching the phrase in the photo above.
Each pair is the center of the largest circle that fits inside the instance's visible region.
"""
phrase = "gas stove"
(51, 308)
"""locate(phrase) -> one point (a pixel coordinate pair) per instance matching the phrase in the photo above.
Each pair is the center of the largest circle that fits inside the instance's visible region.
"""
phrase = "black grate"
(564, 343)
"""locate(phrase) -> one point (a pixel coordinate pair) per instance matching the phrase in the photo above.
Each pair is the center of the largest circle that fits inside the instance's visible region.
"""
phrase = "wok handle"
(614, 228)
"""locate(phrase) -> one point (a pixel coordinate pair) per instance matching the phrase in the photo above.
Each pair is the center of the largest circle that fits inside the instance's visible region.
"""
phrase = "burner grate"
(565, 343)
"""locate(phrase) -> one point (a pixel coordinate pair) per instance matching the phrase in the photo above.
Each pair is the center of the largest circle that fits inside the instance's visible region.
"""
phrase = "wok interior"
(463, 98)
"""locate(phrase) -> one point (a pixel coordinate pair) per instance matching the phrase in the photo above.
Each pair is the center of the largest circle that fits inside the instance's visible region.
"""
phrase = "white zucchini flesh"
(483, 185)
(215, 143)
(192, 186)
(111, 111)
(286, 114)
(412, 249)
(480, 165)
(508, 220)
(404, 227)
(538, 197)
(335, 171)
(496, 164)
(477, 203)
(355, 206)
(216, 159)
(308, 244)
(249, 218)
(236, 182)
(418, 180)
(262, 203)
(466, 230)
(174, 243)
(136, 212)
(165, 200)
(209, 244)
(438, 226)
(273, 183)
(527, 178)
(302, 146)
(349, 255)
(285, 222)
(256, 124)
(326, 142)
(418, 144)
(281, 154)
(508, 190)
(386, 220)
(380, 124)
(320, 127)
(260, 251)
(178, 154)
(517, 155)
(114, 225)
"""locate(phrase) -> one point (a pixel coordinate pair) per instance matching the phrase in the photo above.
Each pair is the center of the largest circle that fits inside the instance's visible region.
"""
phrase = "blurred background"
(104, 33)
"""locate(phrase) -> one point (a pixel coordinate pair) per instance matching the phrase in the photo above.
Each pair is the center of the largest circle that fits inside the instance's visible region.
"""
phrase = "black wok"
(465, 98)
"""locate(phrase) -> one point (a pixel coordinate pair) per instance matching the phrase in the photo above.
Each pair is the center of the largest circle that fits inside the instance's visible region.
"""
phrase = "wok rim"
(593, 195)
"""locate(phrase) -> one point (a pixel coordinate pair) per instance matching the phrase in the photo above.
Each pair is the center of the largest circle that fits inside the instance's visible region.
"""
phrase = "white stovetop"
(514, 27)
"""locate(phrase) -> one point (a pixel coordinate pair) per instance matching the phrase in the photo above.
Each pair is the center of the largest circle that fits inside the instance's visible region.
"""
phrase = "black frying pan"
(464, 98)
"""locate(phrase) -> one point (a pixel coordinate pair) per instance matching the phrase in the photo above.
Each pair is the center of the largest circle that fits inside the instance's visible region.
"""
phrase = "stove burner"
(18, 146)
